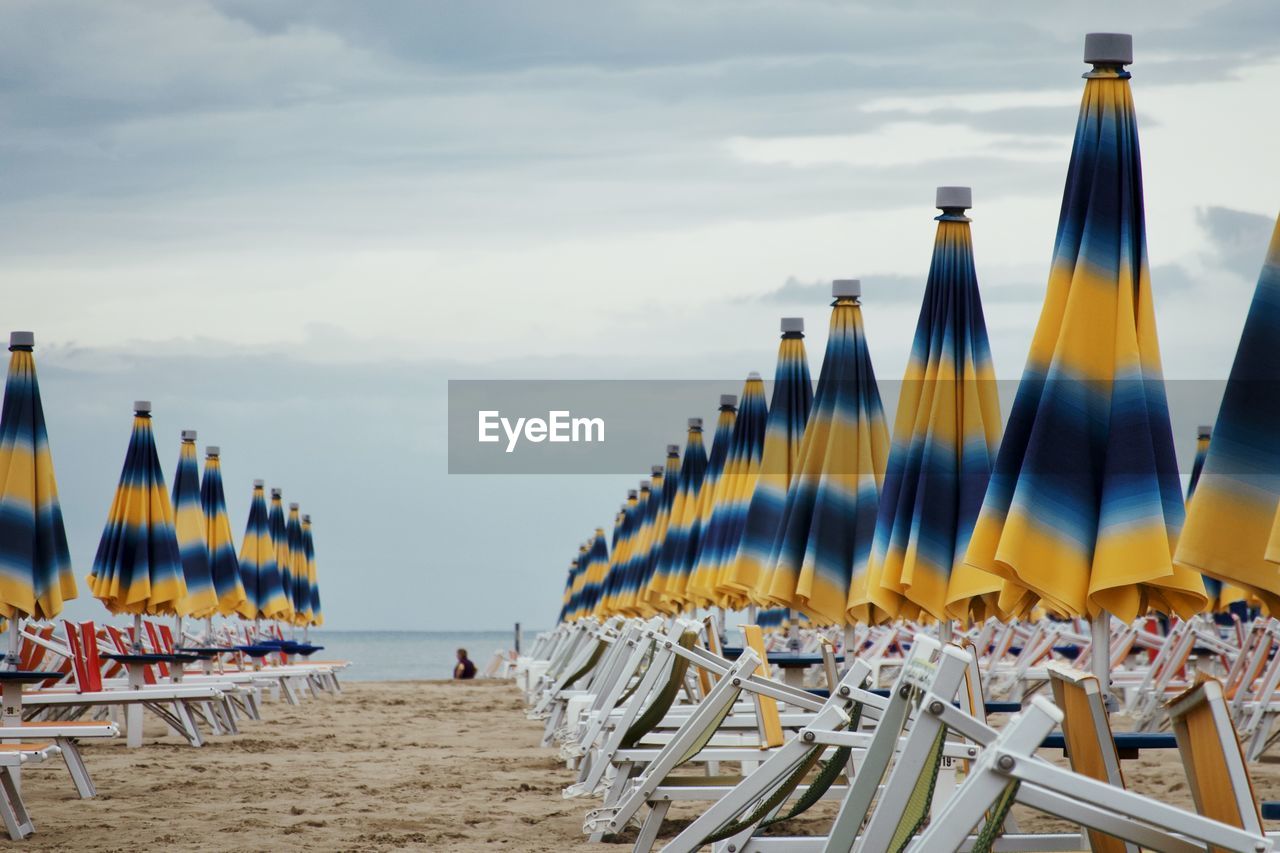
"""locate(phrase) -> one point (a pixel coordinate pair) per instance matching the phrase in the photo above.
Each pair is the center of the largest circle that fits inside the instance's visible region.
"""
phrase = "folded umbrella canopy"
(309, 548)
(566, 605)
(138, 567)
(35, 565)
(615, 576)
(189, 526)
(597, 568)
(224, 568)
(665, 590)
(635, 544)
(1231, 515)
(750, 575)
(824, 538)
(647, 600)
(705, 504)
(741, 469)
(1085, 501)
(301, 596)
(945, 438)
(637, 560)
(264, 594)
(278, 530)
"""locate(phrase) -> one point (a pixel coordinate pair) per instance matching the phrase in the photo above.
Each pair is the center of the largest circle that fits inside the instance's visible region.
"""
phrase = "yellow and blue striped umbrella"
(647, 599)
(719, 548)
(224, 568)
(614, 578)
(597, 568)
(635, 546)
(681, 594)
(946, 434)
(278, 530)
(138, 568)
(1085, 502)
(751, 573)
(309, 549)
(824, 540)
(637, 571)
(1230, 516)
(35, 565)
(264, 595)
(189, 525)
(667, 589)
(301, 596)
(579, 584)
(1221, 596)
(567, 601)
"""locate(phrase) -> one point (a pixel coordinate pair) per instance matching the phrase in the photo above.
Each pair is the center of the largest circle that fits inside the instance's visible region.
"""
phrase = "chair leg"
(652, 825)
(76, 767)
(12, 809)
(190, 730)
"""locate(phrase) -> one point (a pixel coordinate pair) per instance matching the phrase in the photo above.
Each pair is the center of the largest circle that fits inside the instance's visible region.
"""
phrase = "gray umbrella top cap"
(188, 435)
(22, 339)
(673, 450)
(1108, 49)
(728, 399)
(792, 324)
(846, 287)
(142, 407)
(657, 470)
(695, 423)
(213, 450)
(951, 198)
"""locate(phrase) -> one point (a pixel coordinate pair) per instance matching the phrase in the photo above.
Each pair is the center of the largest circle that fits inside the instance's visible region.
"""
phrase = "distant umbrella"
(638, 564)
(752, 571)
(264, 594)
(35, 565)
(566, 605)
(830, 514)
(945, 438)
(624, 567)
(138, 568)
(579, 584)
(667, 586)
(189, 525)
(1085, 501)
(597, 568)
(681, 595)
(224, 568)
(649, 598)
(613, 581)
(719, 548)
(301, 583)
(309, 548)
(1230, 521)
(278, 530)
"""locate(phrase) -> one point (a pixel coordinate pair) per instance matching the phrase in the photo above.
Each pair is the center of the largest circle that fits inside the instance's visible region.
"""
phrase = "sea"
(409, 655)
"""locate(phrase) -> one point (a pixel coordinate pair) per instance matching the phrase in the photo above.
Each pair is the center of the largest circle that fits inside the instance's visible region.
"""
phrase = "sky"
(289, 224)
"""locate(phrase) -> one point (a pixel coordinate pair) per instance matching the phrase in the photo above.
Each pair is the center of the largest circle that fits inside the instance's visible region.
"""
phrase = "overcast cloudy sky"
(289, 223)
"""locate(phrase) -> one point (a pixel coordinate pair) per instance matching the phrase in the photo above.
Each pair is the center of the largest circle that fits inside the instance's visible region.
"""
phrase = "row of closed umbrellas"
(1077, 509)
(160, 553)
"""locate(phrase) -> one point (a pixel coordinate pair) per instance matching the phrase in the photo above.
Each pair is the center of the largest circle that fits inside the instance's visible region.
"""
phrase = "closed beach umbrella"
(945, 438)
(681, 593)
(635, 546)
(751, 572)
(638, 568)
(309, 548)
(567, 601)
(1231, 515)
(576, 610)
(189, 525)
(35, 565)
(264, 595)
(1085, 502)
(648, 600)
(737, 483)
(667, 586)
(613, 581)
(301, 596)
(138, 567)
(278, 530)
(597, 568)
(1221, 596)
(830, 514)
(224, 568)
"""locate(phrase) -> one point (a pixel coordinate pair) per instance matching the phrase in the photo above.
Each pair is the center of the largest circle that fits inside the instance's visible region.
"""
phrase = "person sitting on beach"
(465, 668)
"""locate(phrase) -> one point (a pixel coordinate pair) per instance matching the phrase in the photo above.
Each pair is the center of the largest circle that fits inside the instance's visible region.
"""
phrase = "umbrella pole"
(15, 635)
(1100, 653)
(137, 632)
(944, 631)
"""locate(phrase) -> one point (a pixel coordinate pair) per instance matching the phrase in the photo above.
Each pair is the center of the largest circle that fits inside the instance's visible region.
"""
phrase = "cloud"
(1238, 239)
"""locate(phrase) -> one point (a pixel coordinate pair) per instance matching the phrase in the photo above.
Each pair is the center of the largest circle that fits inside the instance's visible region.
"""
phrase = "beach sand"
(386, 766)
